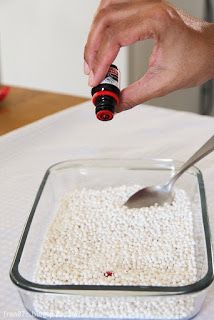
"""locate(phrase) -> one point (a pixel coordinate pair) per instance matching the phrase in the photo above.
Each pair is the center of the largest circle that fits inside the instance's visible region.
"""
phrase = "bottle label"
(112, 77)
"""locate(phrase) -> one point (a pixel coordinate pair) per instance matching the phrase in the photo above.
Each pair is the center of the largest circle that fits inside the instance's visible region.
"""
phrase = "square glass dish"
(60, 301)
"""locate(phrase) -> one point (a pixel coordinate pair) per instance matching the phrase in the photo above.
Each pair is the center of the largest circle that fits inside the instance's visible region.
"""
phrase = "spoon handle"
(207, 148)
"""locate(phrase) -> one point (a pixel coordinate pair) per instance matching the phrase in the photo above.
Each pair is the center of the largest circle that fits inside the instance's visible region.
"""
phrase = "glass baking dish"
(108, 301)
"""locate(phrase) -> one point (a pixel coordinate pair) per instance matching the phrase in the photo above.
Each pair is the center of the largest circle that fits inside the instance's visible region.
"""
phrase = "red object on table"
(4, 90)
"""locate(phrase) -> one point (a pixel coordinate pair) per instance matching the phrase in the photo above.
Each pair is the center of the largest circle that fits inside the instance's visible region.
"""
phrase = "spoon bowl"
(150, 196)
(159, 195)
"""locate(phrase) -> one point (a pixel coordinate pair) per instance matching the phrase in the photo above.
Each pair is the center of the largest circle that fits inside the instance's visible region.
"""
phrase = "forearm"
(210, 49)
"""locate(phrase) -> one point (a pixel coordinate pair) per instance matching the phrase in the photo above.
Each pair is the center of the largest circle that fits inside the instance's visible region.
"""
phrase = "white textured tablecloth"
(26, 153)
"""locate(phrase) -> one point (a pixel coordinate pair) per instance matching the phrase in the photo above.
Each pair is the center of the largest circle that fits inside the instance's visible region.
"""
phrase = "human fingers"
(123, 32)
(106, 3)
(105, 17)
(157, 82)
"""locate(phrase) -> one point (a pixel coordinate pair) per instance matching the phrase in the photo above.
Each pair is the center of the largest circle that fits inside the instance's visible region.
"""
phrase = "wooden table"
(23, 106)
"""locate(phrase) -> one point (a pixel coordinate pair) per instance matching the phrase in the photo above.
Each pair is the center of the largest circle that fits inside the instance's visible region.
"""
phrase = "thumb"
(155, 83)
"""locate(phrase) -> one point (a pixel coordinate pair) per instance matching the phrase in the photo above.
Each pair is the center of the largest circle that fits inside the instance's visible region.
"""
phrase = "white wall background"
(42, 43)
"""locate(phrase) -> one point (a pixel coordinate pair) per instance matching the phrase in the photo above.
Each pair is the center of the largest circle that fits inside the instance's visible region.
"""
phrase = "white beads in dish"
(95, 240)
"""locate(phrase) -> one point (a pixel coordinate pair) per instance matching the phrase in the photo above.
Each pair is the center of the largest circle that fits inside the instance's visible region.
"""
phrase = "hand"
(183, 53)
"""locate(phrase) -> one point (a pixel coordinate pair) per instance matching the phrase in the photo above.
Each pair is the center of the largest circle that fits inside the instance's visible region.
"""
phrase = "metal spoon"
(149, 196)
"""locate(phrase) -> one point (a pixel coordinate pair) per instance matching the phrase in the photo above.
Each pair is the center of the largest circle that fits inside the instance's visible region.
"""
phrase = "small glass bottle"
(106, 95)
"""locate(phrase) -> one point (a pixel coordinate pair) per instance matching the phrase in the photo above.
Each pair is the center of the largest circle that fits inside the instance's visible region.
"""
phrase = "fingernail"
(91, 79)
(86, 68)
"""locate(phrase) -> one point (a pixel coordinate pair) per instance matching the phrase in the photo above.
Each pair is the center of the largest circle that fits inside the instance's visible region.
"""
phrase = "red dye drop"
(108, 274)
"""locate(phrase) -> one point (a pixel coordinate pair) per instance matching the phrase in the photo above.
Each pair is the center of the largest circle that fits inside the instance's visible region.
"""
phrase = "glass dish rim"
(199, 285)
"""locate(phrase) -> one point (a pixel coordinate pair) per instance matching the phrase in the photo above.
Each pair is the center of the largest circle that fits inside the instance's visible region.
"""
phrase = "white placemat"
(26, 153)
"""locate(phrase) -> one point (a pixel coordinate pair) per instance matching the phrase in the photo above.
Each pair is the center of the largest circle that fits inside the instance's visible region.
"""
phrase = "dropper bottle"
(106, 95)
